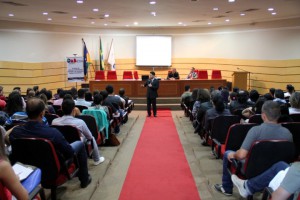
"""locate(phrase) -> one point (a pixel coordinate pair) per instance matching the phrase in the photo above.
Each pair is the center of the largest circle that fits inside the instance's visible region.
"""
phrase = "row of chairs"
(112, 75)
(215, 74)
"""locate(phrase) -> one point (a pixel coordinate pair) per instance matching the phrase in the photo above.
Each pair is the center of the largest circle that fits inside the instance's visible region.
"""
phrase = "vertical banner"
(75, 69)
(111, 56)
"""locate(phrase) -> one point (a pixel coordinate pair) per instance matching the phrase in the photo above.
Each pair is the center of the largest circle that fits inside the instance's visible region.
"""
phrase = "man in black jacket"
(152, 85)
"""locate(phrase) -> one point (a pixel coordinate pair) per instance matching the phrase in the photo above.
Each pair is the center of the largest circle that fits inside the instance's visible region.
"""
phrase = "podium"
(239, 79)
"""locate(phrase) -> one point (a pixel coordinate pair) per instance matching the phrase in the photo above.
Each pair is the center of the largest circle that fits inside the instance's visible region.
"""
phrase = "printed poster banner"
(75, 69)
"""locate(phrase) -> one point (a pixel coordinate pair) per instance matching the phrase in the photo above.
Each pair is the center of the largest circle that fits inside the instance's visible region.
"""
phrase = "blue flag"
(86, 61)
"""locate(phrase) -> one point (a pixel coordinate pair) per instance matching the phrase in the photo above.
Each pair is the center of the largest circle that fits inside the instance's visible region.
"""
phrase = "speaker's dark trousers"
(151, 101)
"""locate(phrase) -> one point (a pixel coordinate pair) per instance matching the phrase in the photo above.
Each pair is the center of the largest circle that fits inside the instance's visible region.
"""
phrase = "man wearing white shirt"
(80, 100)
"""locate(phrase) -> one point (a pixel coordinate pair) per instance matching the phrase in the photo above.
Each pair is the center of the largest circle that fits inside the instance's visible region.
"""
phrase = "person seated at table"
(173, 74)
(192, 74)
(68, 106)
(9, 182)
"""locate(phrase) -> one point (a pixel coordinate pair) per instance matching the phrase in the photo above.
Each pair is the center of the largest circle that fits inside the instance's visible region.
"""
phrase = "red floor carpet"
(159, 169)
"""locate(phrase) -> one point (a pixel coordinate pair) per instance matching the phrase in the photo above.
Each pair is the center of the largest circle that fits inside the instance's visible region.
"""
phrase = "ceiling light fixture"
(11, 15)
(79, 1)
(270, 9)
(95, 9)
(126, 25)
(274, 13)
(135, 23)
(45, 13)
(74, 17)
(231, 1)
(105, 24)
(92, 22)
(215, 9)
(209, 23)
(49, 19)
(227, 20)
(106, 15)
(242, 14)
(153, 13)
(180, 23)
(152, 2)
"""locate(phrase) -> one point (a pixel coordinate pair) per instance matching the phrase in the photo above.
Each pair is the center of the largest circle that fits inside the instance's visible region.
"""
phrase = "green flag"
(101, 56)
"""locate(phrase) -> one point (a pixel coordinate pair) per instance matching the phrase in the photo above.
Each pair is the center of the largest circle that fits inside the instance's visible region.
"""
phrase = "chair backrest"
(136, 75)
(111, 75)
(202, 74)
(294, 128)
(236, 135)
(91, 124)
(50, 117)
(256, 119)
(40, 153)
(127, 75)
(216, 74)
(71, 133)
(264, 153)
(220, 126)
(81, 108)
(99, 75)
(295, 117)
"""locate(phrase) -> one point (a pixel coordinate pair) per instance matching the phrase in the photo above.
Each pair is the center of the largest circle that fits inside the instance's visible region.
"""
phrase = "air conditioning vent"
(13, 3)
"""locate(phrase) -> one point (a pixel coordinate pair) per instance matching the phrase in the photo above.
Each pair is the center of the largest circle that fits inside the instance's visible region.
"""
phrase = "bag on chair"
(112, 140)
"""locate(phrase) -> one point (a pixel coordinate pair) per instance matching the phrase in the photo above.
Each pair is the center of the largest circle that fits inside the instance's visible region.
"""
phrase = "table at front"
(167, 88)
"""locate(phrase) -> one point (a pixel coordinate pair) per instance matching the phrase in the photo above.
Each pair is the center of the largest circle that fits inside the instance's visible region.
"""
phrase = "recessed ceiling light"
(230, 1)
(106, 15)
(135, 23)
(45, 13)
(242, 14)
(74, 17)
(153, 13)
(274, 13)
(215, 9)
(11, 15)
(92, 22)
(105, 24)
(79, 1)
(184, 25)
(126, 25)
(95, 9)
(49, 19)
(270, 9)
(152, 2)
(227, 20)
(179, 23)
(209, 23)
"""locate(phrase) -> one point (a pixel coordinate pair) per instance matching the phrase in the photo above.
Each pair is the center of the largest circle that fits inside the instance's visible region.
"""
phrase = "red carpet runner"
(159, 169)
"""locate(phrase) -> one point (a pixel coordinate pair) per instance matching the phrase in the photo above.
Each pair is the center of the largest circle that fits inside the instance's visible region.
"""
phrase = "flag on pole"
(101, 56)
(111, 56)
(86, 60)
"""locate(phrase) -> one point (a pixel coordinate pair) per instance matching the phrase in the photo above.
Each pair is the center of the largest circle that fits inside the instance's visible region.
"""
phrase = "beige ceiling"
(191, 13)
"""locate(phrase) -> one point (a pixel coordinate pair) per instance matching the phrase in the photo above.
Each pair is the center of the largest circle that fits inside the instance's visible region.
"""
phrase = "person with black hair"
(97, 104)
(272, 91)
(68, 106)
(186, 93)
(80, 101)
(60, 98)
(241, 103)
(173, 74)
(34, 128)
(152, 85)
(289, 90)
(122, 95)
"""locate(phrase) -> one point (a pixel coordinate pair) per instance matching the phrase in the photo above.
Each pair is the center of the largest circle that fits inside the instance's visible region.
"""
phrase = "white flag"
(111, 57)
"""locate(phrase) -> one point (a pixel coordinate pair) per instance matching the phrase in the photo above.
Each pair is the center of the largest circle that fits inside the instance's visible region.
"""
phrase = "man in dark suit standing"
(152, 85)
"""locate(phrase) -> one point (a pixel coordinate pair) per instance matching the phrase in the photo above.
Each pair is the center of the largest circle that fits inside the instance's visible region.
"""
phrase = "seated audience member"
(232, 97)
(123, 96)
(58, 101)
(295, 103)
(88, 97)
(30, 94)
(284, 184)
(80, 101)
(279, 97)
(116, 101)
(76, 110)
(269, 130)
(2, 97)
(218, 109)
(289, 91)
(56, 96)
(225, 95)
(186, 93)
(173, 74)
(290, 183)
(49, 97)
(272, 92)
(241, 103)
(258, 105)
(49, 108)
(236, 90)
(9, 181)
(34, 128)
(18, 89)
(253, 96)
(202, 95)
(73, 92)
(2, 104)
(193, 98)
(115, 112)
(36, 90)
(268, 96)
(192, 74)
(98, 104)
(68, 106)
(14, 103)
